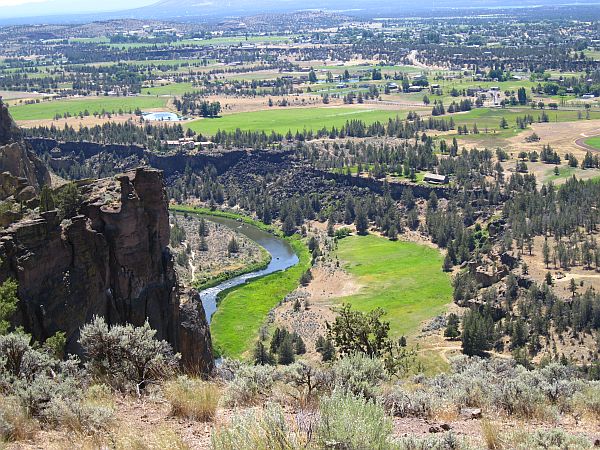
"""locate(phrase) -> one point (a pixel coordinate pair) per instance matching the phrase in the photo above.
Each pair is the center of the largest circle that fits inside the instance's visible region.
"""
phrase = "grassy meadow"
(281, 120)
(404, 278)
(47, 110)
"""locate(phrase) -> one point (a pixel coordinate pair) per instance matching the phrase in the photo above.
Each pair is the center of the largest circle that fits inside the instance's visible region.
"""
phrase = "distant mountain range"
(225, 8)
(63, 10)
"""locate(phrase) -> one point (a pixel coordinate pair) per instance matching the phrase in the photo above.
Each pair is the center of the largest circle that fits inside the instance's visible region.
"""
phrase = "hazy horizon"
(23, 9)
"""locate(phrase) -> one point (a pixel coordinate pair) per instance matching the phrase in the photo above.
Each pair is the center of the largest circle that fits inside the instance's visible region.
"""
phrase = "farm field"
(47, 110)
(233, 332)
(593, 142)
(403, 278)
(283, 120)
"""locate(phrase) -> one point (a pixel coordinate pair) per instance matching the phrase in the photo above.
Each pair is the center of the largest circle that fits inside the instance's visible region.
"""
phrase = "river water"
(282, 257)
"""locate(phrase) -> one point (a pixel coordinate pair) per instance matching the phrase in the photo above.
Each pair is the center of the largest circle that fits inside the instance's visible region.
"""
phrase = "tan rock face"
(111, 260)
(17, 160)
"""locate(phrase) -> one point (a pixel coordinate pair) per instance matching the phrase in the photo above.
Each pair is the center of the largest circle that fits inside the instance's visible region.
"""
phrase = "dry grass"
(15, 423)
(588, 402)
(193, 398)
(491, 433)
(163, 438)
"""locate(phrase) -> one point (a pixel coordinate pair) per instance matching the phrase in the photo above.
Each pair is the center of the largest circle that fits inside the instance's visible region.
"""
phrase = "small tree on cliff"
(8, 303)
(46, 200)
(68, 200)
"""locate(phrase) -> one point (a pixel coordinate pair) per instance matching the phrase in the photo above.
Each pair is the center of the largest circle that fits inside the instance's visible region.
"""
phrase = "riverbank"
(203, 261)
(228, 215)
(202, 282)
(244, 309)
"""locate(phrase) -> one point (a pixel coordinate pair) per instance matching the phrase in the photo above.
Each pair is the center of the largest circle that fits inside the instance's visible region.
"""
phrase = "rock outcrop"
(17, 161)
(111, 260)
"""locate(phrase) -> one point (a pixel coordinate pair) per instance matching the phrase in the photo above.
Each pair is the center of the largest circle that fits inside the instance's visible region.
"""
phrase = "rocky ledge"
(110, 260)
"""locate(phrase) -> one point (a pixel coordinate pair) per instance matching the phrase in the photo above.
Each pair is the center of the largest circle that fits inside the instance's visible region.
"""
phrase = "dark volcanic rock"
(112, 260)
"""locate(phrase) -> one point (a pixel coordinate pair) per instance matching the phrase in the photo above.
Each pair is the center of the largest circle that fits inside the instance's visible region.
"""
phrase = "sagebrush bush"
(192, 398)
(126, 357)
(587, 401)
(359, 374)
(131, 439)
(92, 414)
(35, 377)
(502, 386)
(447, 441)
(400, 402)
(258, 430)
(554, 439)
(352, 422)
(250, 384)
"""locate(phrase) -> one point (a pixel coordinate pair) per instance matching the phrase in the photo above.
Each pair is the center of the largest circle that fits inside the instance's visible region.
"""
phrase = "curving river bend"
(282, 257)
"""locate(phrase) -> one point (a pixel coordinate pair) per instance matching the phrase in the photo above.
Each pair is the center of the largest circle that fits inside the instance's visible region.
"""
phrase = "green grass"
(170, 89)
(404, 278)
(243, 309)
(229, 215)
(563, 172)
(47, 110)
(295, 119)
(593, 142)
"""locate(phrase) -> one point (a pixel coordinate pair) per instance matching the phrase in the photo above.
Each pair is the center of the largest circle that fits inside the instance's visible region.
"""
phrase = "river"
(282, 257)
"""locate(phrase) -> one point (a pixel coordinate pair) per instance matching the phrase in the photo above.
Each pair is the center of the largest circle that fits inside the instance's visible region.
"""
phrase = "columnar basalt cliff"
(111, 260)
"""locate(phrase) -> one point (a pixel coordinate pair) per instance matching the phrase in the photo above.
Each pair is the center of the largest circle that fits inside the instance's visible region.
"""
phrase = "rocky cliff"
(19, 167)
(112, 260)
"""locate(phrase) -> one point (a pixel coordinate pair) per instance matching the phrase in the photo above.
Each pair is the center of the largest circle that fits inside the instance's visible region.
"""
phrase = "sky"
(23, 8)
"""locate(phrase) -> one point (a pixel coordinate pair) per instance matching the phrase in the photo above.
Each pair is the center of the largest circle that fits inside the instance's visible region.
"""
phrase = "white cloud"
(19, 2)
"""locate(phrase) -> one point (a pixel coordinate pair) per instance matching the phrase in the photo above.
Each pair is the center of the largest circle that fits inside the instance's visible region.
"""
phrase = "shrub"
(353, 422)
(266, 430)
(448, 441)
(15, 423)
(192, 398)
(359, 374)
(249, 385)
(588, 400)
(35, 377)
(402, 403)
(89, 416)
(132, 439)
(547, 439)
(125, 356)
(8, 303)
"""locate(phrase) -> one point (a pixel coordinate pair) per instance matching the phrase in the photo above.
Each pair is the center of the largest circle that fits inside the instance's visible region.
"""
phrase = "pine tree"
(233, 247)
(361, 222)
(203, 246)
(202, 228)
(46, 199)
(299, 345)
(477, 333)
(286, 351)
(451, 330)
(261, 355)
(447, 265)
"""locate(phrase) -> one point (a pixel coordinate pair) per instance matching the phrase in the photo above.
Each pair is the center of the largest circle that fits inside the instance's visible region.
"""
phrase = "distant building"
(434, 178)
